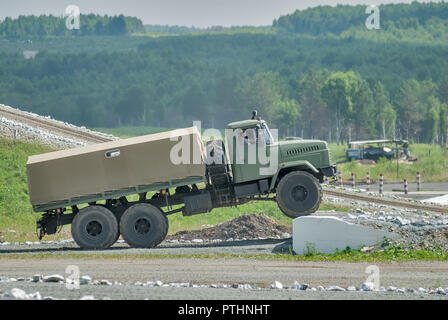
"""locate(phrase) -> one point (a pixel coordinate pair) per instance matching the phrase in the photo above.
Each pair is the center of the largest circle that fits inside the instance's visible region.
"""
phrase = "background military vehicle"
(376, 149)
(89, 187)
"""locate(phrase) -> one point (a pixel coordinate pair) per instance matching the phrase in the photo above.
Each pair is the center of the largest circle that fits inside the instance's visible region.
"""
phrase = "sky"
(198, 13)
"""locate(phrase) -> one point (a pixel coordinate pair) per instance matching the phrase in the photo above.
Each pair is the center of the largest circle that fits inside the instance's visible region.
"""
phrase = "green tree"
(384, 113)
(285, 115)
(131, 107)
(318, 121)
(261, 92)
(443, 140)
(432, 120)
(337, 93)
(117, 26)
(362, 111)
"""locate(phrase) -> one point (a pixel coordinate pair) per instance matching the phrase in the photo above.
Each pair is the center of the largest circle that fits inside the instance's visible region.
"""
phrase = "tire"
(299, 194)
(143, 226)
(118, 212)
(117, 217)
(95, 228)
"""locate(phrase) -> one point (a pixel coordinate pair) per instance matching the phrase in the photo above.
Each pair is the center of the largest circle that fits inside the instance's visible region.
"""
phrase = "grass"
(432, 164)
(388, 255)
(17, 218)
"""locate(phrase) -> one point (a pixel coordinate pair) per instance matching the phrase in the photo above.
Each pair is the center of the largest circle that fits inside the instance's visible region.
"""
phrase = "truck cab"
(292, 169)
(292, 153)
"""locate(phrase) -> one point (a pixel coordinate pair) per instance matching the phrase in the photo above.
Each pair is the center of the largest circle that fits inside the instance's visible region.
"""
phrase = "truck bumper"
(330, 171)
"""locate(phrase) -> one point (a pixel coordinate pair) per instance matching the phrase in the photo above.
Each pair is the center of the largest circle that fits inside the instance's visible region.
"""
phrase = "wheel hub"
(299, 193)
(94, 228)
(142, 226)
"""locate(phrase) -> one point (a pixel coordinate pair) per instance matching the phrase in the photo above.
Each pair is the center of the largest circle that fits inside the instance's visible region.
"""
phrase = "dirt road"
(127, 267)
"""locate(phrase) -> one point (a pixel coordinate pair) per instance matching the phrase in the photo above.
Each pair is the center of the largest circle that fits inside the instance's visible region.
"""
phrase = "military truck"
(128, 187)
(376, 149)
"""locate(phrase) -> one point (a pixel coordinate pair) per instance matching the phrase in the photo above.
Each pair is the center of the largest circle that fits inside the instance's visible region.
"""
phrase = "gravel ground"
(265, 246)
(161, 275)
(132, 292)
(192, 278)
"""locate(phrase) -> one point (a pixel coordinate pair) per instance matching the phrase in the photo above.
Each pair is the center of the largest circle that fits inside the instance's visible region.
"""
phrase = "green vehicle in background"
(376, 149)
(250, 166)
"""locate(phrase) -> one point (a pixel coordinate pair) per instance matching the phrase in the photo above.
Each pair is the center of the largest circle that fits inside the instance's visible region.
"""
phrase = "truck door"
(251, 151)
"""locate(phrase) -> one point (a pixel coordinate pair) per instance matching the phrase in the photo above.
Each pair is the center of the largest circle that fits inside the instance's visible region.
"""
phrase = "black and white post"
(381, 183)
(368, 180)
(419, 177)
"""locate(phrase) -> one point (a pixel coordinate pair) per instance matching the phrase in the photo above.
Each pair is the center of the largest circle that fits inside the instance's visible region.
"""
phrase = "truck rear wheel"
(143, 226)
(94, 228)
(299, 194)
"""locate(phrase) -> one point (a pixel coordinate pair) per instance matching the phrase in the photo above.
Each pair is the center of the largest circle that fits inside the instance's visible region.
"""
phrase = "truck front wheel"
(143, 226)
(299, 194)
(94, 228)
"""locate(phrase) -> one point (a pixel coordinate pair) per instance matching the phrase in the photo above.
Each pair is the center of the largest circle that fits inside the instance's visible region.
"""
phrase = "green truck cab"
(89, 187)
(296, 167)
(293, 154)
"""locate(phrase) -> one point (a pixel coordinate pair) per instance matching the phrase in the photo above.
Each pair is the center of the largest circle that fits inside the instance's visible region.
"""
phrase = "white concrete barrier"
(326, 234)
(442, 200)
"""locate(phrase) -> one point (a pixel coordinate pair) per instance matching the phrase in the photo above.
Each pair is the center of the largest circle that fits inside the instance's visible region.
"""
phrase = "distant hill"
(335, 20)
(91, 24)
(167, 77)
(157, 28)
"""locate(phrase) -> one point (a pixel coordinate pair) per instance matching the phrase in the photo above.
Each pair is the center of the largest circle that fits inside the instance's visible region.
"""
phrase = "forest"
(316, 73)
(25, 27)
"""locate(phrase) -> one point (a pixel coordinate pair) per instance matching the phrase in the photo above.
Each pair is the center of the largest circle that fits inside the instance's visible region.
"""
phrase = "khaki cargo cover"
(110, 166)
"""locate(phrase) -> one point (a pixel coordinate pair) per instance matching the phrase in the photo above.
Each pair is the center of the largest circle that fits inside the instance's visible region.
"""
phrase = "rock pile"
(418, 229)
(249, 226)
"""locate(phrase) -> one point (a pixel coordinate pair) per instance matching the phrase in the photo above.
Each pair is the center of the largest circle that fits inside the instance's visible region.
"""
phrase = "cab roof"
(245, 124)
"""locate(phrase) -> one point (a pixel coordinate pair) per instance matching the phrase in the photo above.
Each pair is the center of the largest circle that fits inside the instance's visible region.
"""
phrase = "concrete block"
(442, 200)
(326, 234)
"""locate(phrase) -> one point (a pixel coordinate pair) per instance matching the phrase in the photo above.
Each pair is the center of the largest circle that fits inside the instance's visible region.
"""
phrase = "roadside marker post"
(405, 186)
(353, 180)
(368, 180)
(381, 183)
(418, 181)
